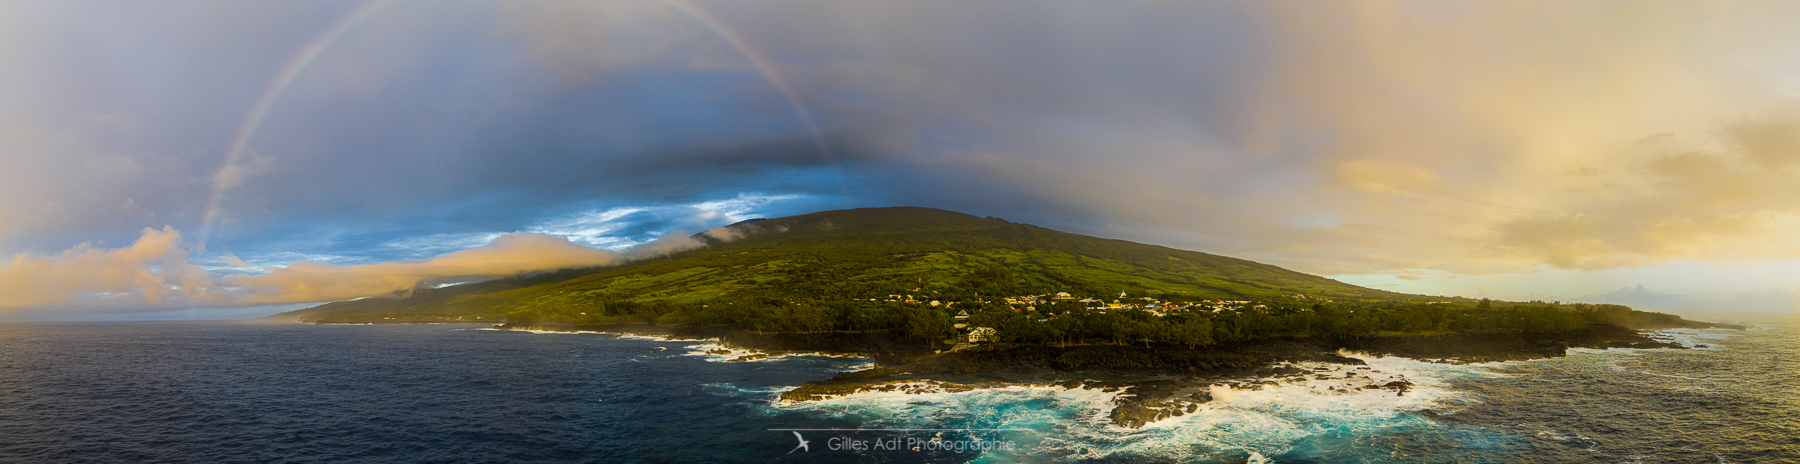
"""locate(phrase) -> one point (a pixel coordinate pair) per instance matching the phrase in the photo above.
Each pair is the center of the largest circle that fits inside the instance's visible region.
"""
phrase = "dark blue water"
(231, 392)
(1737, 400)
(235, 392)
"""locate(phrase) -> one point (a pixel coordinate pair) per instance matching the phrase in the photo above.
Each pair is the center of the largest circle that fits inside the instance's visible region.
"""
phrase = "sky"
(207, 159)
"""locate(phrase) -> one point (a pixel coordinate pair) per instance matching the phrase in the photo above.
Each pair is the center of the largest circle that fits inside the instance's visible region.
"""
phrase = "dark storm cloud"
(111, 114)
(423, 117)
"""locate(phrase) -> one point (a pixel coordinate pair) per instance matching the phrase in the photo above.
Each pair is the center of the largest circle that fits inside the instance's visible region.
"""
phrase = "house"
(960, 315)
(981, 334)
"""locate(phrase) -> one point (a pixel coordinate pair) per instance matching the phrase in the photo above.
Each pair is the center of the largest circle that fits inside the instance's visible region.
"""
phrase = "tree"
(930, 324)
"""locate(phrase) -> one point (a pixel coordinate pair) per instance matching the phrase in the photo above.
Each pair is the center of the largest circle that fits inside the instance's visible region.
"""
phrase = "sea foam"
(1692, 337)
(708, 352)
(1240, 423)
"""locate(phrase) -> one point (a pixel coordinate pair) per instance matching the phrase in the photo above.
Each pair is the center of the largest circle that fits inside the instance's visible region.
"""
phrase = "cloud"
(150, 270)
(507, 255)
(1436, 137)
(156, 271)
(1442, 137)
(622, 227)
(1642, 296)
(1647, 298)
(1678, 200)
(233, 175)
(1384, 177)
(678, 241)
(583, 42)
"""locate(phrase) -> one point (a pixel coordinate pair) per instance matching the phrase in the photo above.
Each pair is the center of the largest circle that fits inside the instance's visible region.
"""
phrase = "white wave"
(861, 361)
(652, 338)
(1255, 420)
(1574, 351)
(1271, 419)
(544, 332)
(741, 391)
(706, 351)
(1585, 442)
(1683, 377)
(1623, 361)
(616, 335)
(701, 350)
(1692, 338)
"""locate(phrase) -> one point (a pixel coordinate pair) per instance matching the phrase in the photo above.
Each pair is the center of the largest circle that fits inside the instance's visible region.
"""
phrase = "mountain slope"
(870, 254)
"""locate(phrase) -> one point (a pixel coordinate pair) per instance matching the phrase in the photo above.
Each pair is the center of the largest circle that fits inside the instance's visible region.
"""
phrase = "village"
(1029, 303)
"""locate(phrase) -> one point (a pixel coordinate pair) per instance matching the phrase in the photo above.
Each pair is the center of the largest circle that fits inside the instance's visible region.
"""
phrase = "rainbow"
(762, 62)
(222, 180)
(296, 65)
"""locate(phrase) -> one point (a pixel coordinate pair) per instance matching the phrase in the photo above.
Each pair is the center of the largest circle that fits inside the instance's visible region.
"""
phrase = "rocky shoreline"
(1158, 383)
(1149, 383)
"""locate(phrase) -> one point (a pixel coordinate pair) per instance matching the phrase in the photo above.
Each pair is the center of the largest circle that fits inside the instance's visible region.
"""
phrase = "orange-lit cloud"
(150, 270)
(1668, 199)
(155, 271)
(509, 254)
(1514, 137)
(1385, 177)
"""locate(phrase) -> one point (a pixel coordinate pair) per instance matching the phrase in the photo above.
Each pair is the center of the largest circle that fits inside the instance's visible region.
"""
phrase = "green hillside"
(832, 257)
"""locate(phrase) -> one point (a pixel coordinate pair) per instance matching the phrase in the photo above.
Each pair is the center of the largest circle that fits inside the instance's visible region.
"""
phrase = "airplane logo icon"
(803, 444)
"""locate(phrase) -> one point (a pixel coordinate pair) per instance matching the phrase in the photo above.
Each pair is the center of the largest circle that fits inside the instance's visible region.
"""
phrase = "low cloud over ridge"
(156, 271)
(510, 254)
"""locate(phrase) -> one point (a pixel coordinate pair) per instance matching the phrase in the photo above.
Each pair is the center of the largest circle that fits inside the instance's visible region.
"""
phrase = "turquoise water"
(1735, 400)
(232, 392)
(1289, 423)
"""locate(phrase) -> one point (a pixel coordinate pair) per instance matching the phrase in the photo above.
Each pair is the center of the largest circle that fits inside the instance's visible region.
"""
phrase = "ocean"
(242, 392)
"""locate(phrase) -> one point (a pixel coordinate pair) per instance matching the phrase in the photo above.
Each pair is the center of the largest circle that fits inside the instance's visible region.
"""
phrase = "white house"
(981, 334)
